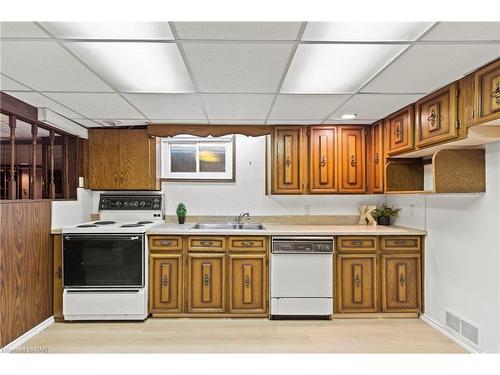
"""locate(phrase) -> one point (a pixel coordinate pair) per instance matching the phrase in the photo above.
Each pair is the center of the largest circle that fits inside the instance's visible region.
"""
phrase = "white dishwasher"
(301, 277)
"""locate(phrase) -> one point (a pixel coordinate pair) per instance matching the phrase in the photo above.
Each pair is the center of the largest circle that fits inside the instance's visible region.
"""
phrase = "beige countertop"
(273, 229)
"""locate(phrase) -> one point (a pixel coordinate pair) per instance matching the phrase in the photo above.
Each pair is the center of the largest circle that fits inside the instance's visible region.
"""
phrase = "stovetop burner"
(135, 225)
(145, 222)
(105, 222)
(87, 226)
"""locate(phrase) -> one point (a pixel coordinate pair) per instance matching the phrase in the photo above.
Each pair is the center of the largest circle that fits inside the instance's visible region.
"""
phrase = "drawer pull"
(496, 92)
(165, 242)
(402, 280)
(356, 243)
(247, 243)
(206, 243)
(357, 280)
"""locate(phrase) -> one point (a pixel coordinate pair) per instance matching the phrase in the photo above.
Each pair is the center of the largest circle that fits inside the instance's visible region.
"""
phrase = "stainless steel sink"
(226, 226)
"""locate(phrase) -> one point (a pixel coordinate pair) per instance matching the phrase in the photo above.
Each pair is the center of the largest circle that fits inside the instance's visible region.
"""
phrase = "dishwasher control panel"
(302, 245)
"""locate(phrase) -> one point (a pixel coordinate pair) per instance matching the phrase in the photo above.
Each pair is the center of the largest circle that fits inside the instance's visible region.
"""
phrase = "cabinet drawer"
(247, 244)
(165, 243)
(395, 243)
(206, 243)
(356, 244)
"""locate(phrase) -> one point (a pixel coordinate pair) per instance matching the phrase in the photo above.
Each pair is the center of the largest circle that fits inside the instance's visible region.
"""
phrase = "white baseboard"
(448, 334)
(27, 336)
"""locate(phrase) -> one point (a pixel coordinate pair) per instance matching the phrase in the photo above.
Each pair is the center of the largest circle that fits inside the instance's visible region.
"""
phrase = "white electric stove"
(104, 262)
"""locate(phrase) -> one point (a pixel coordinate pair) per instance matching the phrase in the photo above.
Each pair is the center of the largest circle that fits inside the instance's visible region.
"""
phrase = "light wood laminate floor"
(245, 336)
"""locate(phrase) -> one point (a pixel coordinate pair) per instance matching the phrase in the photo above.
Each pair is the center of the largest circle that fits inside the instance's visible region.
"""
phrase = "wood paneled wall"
(25, 267)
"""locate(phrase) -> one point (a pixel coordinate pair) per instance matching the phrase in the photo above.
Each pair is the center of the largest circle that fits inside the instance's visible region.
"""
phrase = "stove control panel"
(150, 202)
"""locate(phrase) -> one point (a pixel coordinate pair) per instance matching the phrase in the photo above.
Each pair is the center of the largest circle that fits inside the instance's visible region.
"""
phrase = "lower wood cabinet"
(379, 275)
(247, 283)
(206, 282)
(208, 276)
(400, 282)
(356, 283)
(166, 286)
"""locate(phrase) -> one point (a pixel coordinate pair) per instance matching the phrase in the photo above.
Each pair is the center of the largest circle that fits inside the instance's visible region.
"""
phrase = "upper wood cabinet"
(376, 159)
(288, 161)
(437, 117)
(400, 131)
(487, 93)
(323, 159)
(122, 159)
(351, 166)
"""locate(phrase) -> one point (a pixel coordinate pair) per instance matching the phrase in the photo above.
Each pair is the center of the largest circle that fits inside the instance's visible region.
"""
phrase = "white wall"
(72, 212)
(462, 258)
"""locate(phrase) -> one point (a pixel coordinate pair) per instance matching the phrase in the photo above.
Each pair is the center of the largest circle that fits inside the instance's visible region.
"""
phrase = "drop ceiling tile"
(178, 121)
(349, 122)
(374, 106)
(21, 30)
(40, 101)
(237, 67)
(238, 30)
(9, 84)
(238, 122)
(426, 67)
(364, 31)
(336, 68)
(302, 107)
(294, 122)
(136, 67)
(97, 105)
(237, 106)
(46, 66)
(110, 30)
(464, 31)
(169, 106)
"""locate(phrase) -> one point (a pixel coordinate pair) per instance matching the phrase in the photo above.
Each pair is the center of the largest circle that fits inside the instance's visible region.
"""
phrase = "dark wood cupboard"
(400, 131)
(288, 160)
(352, 168)
(376, 159)
(323, 159)
(487, 93)
(122, 159)
(437, 117)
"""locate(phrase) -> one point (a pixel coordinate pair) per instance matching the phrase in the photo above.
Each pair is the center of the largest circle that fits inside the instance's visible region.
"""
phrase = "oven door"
(103, 260)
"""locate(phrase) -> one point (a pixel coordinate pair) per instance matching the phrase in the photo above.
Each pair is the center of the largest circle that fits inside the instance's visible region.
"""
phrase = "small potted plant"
(384, 214)
(181, 213)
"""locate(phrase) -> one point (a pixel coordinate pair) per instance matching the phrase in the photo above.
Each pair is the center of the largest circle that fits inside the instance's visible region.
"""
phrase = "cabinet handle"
(353, 161)
(375, 159)
(356, 243)
(397, 131)
(248, 282)
(322, 161)
(164, 280)
(165, 242)
(206, 243)
(357, 280)
(59, 272)
(496, 92)
(288, 161)
(432, 117)
(247, 243)
(402, 280)
(206, 280)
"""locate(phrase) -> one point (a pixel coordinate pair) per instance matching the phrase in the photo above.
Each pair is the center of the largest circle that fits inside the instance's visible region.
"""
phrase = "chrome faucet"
(240, 217)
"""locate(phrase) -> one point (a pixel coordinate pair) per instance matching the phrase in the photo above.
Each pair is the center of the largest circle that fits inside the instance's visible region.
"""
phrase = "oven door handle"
(98, 237)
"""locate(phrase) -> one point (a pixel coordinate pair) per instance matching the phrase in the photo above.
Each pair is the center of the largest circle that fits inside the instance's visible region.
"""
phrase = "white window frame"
(227, 175)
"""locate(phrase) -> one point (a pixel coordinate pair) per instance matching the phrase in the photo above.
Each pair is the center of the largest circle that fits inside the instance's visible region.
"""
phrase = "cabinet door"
(401, 282)
(104, 159)
(165, 283)
(136, 169)
(288, 161)
(247, 283)
(322, 162)
(436, 119)
(352, 159)
(356, 283)
(400, 131)
(487, 93)
(206, 283)
(376, 159)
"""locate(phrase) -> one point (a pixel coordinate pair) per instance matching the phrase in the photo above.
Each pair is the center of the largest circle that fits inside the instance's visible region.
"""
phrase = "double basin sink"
(228, 226)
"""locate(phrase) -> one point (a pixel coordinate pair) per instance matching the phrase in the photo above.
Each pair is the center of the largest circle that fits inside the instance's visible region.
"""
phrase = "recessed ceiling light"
(349, 116)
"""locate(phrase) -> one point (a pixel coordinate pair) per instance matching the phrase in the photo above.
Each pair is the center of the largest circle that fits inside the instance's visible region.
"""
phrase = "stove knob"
(143, 203)
(136, 204)
(125, 204)
(118, 204)
(156, 206)
(156, 200)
